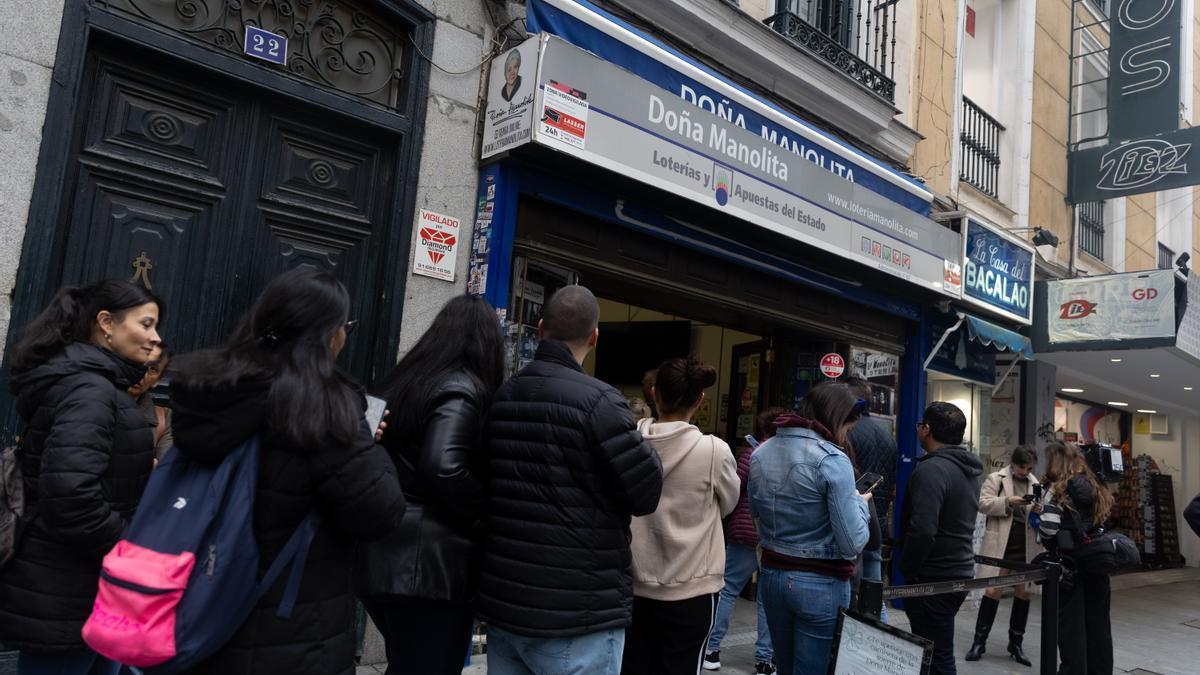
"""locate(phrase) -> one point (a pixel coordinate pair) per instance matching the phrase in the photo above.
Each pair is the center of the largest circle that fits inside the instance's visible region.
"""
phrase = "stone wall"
(30, 31)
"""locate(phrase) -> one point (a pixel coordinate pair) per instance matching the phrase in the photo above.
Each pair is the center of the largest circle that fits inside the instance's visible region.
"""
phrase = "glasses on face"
(350, 326)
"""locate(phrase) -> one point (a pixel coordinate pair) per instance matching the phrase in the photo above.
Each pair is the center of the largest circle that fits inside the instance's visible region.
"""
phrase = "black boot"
(1016, 632)
(983, 626)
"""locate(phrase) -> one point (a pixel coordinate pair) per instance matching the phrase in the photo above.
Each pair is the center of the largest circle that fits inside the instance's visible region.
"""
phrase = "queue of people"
(588, 538)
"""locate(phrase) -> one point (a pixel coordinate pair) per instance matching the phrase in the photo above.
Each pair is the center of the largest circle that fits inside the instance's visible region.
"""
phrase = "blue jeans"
(740, 562)
(80, 662)
(593, 654)
(802, 611)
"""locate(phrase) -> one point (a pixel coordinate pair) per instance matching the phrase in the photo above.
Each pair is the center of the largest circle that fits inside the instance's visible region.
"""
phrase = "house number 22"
(265, 45)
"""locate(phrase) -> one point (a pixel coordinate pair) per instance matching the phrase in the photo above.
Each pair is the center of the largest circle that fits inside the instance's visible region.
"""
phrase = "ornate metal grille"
(856, 37)
(1091, 229)
(330, 42)
(980, 141)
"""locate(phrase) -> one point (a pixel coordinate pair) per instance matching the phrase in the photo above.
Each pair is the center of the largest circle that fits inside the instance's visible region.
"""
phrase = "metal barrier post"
(1049, 663)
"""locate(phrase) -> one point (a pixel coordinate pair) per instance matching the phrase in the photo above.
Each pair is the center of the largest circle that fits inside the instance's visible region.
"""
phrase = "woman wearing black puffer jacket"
(419, 583)
(275, 376)
(86, 455)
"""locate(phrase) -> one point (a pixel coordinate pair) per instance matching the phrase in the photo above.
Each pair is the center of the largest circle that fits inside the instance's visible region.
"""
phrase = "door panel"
(204, 189)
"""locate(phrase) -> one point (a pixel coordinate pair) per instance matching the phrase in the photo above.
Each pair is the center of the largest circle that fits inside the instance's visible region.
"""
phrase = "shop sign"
(997, 272)
(1143, 64)
(832, 366)
(695, 87)
(437, 245)
(634, 128)
(1146, 149)
(508, 119)
(1111, 308)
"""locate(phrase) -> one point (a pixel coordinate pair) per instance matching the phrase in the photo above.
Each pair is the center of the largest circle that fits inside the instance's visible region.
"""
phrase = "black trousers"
(932, 618)
(1084, 627)
(423, 637)
(668, 638)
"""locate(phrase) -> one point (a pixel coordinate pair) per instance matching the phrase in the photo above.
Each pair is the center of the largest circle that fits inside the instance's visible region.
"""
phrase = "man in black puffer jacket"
(567, 471)
(938, 527)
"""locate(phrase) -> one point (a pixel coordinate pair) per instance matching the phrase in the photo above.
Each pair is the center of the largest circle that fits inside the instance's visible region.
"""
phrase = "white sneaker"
(712, 660)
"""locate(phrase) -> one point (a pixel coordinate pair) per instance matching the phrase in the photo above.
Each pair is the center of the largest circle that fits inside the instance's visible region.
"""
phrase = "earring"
(108, 337)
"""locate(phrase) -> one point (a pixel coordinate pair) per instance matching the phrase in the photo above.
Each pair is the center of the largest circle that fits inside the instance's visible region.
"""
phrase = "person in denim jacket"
(813, 524)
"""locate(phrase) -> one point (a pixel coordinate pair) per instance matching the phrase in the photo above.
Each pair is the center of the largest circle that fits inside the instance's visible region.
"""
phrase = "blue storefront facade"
(675, 193)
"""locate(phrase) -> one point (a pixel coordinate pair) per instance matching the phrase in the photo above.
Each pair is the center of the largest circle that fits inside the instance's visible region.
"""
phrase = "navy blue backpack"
(184, 578)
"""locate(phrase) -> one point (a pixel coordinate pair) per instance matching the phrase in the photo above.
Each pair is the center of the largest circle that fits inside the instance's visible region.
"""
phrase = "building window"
(1166, 258)
(1092, 230)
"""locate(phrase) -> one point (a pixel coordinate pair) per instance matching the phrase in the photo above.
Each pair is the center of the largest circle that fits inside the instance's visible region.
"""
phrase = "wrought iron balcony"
(980, 140)
(1091, 229)
(856, 37)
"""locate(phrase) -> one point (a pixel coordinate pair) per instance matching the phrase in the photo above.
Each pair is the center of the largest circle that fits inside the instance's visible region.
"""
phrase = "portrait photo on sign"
(512, 83)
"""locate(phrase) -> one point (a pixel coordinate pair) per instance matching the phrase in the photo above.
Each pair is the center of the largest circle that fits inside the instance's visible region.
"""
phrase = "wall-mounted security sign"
(997, 272)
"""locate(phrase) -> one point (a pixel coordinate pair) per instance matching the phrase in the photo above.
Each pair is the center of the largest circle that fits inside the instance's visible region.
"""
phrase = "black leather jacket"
(434, 554)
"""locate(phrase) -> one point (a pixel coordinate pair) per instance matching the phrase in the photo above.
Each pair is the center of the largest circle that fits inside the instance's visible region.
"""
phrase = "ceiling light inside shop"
(1148, 412)
(1155, 375)
(1116, 360)
(1119, 404)
(1071, 390)
(1187, 388)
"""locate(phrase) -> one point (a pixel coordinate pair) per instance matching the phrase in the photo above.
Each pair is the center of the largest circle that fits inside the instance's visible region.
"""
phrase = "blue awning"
(988, 334)
(1003, 339)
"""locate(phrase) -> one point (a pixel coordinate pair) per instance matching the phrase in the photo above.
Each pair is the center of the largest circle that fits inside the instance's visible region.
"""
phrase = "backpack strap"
(294, 551)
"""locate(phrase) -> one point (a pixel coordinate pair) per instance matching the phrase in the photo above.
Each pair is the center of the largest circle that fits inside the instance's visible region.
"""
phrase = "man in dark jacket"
(567, 470)
(875, 450)
(938, 526)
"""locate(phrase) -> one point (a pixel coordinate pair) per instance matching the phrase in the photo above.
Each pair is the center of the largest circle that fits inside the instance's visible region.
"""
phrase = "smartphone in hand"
(868, 482)
(375, 409)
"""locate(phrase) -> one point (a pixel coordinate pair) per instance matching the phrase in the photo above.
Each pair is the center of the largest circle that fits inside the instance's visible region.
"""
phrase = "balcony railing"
(1091, 229)
(857, 38)
(980, 140)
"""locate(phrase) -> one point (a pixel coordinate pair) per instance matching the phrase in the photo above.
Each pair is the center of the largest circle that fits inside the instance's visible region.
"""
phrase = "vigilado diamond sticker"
(437, 245)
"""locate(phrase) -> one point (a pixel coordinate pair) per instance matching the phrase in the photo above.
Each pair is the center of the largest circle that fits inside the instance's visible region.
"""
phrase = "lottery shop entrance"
(660, 299)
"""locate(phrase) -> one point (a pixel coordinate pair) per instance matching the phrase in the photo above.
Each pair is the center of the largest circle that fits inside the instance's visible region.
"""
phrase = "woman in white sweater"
(679, 550)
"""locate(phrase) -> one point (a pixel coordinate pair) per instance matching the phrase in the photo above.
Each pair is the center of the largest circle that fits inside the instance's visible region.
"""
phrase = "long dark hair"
(1065, 461)
(285, 338)
(833, 405)
(70, 316)
(463, 338)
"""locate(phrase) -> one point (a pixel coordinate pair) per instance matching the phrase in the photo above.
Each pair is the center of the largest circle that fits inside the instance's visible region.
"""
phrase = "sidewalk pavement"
(1155, 622)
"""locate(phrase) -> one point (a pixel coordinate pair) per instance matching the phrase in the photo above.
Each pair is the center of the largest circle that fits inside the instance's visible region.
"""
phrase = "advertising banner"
(508, 120)
(1143, 67)
(1114, 307)
(997, 272)
(700, 89)
(1150, 164)
(437, 245)
(601, 114)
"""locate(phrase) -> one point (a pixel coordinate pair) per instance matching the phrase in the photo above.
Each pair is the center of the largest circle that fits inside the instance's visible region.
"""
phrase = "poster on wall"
(508, 121)
(1110, 308)
(998, 271)
(437, 245)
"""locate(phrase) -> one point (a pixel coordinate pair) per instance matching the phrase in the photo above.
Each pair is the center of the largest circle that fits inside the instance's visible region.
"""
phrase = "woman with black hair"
(813, 524)
(679, 550)
(418, 583)
(86, 455)
(276, 376)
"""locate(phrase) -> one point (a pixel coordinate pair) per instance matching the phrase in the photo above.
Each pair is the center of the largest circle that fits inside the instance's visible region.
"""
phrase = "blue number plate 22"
(265, 45)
